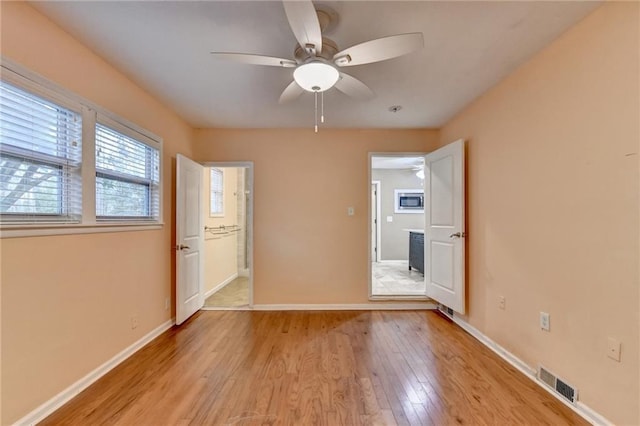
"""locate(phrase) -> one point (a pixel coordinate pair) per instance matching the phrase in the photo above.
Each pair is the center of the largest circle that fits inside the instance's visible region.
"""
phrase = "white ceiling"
(394, 162)
(164, 46)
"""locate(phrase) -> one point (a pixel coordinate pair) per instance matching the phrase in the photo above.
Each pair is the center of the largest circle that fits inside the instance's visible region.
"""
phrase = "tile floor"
(234, 294)
(394, 278)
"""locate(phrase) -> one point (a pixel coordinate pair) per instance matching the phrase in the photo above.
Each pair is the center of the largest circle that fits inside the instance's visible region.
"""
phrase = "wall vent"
(445, 310)
(562, 388)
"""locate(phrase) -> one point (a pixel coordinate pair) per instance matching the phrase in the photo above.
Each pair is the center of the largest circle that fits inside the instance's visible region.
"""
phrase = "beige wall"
(67, 300)
(220, 251)
(306, 248)
(553, 208)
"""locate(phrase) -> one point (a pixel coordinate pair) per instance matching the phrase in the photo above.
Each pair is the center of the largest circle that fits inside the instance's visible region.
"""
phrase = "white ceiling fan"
(318, 61)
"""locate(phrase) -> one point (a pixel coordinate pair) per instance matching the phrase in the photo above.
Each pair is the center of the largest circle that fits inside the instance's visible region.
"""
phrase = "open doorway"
(227, 218)
(397, 225)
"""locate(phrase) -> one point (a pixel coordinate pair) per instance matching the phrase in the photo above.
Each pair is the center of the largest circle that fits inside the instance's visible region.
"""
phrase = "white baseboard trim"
(523, 367)
(584, 411)
(63, 397)
(591, 415)
(221, 285)
(225, 308)
(346, 307)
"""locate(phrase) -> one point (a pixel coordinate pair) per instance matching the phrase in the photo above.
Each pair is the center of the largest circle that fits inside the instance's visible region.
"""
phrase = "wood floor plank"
(314, 368)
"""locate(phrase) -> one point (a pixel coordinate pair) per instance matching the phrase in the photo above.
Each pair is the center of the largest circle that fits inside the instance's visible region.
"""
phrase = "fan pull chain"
(322, 107)
(316, 111)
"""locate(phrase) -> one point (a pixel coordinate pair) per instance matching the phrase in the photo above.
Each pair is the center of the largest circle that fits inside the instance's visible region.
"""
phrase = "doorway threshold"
(391, 297)
(226, 308)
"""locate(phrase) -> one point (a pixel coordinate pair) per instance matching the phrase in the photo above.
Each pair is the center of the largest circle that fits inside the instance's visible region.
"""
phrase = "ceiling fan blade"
(292, 92)
(379, 49)
(304, 23)
(248, 58)
(353, 87)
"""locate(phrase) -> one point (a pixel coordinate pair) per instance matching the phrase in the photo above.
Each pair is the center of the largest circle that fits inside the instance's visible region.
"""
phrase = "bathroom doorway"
(227, 253)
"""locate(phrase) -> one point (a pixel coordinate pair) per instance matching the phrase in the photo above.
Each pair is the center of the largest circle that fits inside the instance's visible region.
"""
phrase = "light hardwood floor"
(314, 368)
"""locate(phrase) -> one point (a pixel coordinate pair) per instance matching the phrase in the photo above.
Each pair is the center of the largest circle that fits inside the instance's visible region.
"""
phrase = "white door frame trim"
(377, 184)
(249, 179)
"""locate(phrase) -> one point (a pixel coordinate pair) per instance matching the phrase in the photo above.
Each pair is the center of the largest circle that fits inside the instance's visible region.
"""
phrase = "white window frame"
(27, 80)
(211, 212)
(154, 188)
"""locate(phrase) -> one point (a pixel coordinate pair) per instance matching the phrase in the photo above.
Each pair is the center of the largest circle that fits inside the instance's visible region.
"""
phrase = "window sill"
(41, 230)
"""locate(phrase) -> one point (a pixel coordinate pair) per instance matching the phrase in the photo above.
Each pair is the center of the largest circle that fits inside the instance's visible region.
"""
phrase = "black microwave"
(409, 201)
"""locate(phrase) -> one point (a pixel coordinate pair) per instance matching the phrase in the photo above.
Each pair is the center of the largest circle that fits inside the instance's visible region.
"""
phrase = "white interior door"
(444, 237)
(189, 238)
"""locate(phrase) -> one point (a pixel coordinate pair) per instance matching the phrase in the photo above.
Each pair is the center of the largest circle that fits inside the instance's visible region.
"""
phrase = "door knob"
(458, 235)
(182, 247)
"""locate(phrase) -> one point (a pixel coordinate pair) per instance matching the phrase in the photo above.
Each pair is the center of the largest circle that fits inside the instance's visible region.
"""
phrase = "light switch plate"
(545, 321)
(613, 349)
(351, 211)
(389, 219)
(502, 302)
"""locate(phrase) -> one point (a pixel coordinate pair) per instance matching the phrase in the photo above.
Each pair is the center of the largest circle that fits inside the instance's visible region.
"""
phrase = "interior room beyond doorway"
(226, 204)
(397, 225)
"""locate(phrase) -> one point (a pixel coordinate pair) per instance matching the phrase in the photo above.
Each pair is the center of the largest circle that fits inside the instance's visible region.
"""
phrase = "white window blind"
(68, 165)
(40, 156)
(127, 177)
(217, 192)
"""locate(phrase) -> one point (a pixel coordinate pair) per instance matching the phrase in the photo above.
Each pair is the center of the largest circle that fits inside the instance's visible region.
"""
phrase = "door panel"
(189, 238)
(444, 226)
(191, 288)
(441, 194)
(442, 255)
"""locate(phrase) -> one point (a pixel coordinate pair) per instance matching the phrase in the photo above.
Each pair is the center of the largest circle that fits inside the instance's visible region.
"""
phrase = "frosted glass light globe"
(316, 76)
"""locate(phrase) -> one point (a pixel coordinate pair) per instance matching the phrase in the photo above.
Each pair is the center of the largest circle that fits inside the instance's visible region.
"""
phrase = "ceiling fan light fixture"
(316, 76)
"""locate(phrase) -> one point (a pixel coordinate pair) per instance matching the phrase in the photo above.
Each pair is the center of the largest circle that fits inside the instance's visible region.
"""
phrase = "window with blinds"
(68, 165)
(217, 192)
(127, 177)
(40, 158)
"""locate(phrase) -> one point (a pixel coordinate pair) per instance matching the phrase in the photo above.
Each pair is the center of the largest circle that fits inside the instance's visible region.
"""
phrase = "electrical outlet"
(166, 304)
(502, 302)
(613, 349)
(134, 322)
(545, 321)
